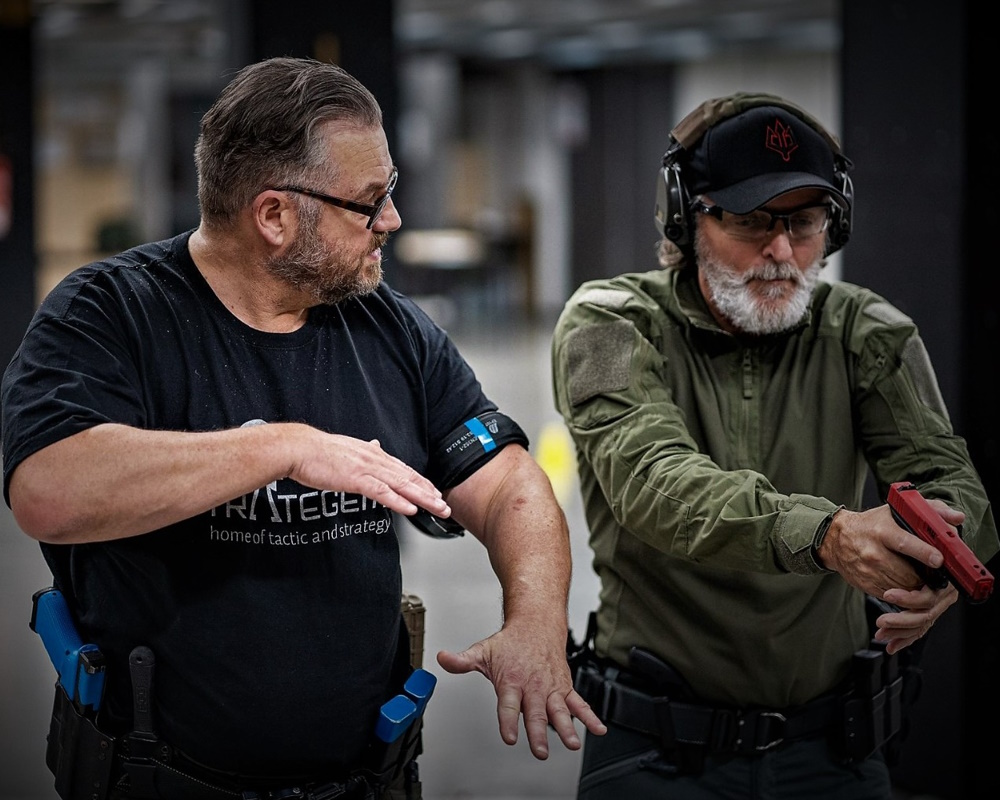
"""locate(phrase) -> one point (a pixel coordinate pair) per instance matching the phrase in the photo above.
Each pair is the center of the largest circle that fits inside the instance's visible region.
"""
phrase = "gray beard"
(316, 269)
(743, 308)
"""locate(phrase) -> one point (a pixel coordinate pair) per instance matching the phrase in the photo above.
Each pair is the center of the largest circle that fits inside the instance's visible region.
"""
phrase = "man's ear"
(273, 217)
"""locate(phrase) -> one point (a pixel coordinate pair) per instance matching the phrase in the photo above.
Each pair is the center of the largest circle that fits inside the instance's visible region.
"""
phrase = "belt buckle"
(769, 715)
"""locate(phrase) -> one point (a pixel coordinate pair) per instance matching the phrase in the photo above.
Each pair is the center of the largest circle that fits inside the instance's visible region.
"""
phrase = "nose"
(389, 219)
(778, 243)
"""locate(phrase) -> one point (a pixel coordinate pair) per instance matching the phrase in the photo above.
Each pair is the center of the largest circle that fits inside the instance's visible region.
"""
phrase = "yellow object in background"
(555, 454)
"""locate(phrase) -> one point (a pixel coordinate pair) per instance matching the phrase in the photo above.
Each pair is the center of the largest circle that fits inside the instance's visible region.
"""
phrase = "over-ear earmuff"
(673, 204)
(673, 214)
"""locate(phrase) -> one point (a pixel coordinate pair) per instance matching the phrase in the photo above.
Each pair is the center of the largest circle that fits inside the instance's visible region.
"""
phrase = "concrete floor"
(465, 758)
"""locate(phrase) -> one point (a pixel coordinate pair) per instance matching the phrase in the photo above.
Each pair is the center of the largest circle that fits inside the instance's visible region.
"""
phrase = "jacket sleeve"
(904, 425)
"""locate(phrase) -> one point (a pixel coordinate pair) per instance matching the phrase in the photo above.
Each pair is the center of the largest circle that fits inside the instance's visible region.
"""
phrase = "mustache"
(773, 272)
(380, 239)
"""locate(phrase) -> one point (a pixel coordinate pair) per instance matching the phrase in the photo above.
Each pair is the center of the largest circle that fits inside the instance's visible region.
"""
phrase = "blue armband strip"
(473, 444)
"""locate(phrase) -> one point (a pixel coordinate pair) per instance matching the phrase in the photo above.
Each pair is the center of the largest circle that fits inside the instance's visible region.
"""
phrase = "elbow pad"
(472, 444)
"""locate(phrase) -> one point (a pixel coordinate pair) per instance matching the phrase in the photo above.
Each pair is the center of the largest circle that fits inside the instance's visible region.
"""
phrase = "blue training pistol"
(80, 666)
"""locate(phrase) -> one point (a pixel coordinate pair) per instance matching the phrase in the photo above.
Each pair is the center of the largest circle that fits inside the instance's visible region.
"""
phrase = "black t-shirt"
(274, 617)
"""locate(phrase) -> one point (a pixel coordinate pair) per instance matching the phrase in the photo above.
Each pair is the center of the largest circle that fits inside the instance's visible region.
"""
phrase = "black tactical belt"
(747, 732)
(183, 779)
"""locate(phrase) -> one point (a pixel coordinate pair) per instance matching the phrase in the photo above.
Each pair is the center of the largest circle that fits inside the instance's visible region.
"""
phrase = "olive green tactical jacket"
(709, 463)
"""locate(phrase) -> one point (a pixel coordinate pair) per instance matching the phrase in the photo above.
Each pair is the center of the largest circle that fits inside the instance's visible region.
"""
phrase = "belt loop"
(607, 685)
(665, 722)
(726, 729)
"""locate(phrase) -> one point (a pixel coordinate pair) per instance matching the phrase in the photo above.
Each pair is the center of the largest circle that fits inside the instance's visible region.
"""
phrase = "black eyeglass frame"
(373, 211)
(717, 211)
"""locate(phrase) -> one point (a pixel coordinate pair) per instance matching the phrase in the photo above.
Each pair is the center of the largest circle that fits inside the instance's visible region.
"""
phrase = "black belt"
(181, 777)
(748, 732)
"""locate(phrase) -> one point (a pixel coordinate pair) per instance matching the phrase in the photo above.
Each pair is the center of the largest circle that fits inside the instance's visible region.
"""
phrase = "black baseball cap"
(747, 160)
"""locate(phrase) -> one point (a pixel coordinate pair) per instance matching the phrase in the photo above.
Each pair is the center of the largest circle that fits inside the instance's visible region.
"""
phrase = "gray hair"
(669, 255)
(262, 130)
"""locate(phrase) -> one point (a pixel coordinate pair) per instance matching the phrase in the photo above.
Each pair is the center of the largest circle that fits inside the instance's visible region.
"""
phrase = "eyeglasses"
(372, 211)
(800, 223)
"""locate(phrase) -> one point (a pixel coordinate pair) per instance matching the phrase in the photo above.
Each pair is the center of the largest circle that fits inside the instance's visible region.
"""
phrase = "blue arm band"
(472, 444)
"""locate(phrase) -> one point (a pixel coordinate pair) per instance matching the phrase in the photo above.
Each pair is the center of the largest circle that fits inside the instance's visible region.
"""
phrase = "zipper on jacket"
(747, 374)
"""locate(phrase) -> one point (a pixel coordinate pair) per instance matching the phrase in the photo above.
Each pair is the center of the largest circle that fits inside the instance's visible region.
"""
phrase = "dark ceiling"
(94, 40)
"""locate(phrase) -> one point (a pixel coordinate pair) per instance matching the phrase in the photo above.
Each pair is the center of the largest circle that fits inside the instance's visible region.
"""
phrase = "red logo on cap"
(781, 140)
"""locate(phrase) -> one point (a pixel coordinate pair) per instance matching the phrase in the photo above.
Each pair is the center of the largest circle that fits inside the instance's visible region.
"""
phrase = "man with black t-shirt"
(209, 436)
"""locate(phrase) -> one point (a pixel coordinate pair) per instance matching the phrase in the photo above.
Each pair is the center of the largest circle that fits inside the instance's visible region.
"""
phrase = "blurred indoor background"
(527, 134)
(495, 110)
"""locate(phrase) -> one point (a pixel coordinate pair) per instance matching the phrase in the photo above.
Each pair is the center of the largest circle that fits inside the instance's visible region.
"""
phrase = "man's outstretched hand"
(531, 678)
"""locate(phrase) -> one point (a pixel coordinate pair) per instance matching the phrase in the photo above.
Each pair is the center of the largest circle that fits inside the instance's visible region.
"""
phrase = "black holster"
(78, 754)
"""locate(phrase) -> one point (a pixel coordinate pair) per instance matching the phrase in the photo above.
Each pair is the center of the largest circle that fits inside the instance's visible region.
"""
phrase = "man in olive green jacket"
(727, 412)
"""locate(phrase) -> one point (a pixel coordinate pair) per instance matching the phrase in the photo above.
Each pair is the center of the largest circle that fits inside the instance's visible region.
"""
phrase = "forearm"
(530, 554)
(510, 507)
(114, 481)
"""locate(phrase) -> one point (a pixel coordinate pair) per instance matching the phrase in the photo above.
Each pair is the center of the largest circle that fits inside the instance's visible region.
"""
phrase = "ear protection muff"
(673, 215)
